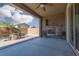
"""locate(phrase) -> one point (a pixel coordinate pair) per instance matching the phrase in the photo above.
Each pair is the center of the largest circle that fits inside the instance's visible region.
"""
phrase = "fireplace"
(51, 31)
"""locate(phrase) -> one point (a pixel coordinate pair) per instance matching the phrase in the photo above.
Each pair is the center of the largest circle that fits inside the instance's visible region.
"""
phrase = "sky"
(16, 16)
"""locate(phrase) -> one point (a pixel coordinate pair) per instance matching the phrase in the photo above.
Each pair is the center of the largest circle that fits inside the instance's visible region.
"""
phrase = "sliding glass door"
(71, 23)
(77, 25)
(74, 25)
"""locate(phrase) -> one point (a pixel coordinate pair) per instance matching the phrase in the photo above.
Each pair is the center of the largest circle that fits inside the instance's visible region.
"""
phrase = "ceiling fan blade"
(44, 8)
(37, 6)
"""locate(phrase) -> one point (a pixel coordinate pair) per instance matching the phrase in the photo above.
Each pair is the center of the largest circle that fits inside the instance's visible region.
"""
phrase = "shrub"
(15, 30)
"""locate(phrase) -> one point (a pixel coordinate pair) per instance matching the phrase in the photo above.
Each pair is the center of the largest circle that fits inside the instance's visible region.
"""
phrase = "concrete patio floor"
(39, 47)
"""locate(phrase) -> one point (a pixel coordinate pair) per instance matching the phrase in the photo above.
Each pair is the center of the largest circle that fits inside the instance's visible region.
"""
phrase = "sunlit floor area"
(5, 41)
(39, 47)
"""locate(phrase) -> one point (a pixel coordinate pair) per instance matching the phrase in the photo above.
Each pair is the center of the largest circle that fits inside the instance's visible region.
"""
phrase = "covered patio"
(39, 47)
(52, 19)
(54, 31)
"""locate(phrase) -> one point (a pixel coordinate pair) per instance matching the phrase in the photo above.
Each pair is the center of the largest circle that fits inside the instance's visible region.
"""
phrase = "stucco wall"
(33, 31)
(54, 20)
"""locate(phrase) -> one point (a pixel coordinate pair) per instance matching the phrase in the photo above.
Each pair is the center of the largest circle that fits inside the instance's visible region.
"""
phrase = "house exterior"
(23, 27)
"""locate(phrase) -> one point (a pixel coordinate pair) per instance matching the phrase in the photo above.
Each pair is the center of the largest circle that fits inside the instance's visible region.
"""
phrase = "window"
(17, 24)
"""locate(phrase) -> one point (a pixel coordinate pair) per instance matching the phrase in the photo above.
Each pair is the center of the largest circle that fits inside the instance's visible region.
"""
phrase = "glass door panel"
(71, 23)
(77, 24)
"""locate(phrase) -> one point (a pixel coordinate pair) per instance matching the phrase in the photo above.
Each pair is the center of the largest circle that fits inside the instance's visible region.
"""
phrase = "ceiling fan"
(43, 5)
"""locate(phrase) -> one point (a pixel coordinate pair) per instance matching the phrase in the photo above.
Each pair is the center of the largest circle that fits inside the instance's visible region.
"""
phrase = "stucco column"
(68, 34)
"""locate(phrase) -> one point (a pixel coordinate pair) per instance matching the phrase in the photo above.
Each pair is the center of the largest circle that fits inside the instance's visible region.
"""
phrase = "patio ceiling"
(54, 9)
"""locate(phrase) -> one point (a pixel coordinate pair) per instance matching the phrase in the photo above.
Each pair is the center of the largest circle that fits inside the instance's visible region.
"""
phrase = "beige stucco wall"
(54, 20)
(33, 31)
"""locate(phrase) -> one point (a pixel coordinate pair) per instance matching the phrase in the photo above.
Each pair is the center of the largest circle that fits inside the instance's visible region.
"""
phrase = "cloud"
(22, 18)
(8, 7)
(19, 11)
(6, 11)
(26, 19)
